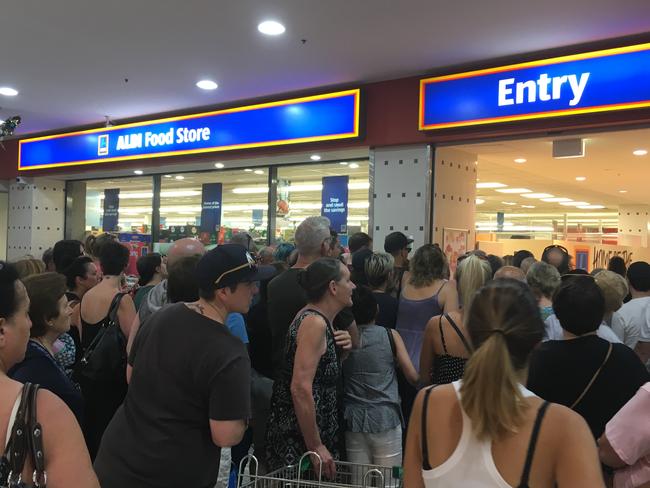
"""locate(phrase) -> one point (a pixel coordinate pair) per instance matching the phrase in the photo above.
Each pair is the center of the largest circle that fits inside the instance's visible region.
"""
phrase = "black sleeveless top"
(448, 368)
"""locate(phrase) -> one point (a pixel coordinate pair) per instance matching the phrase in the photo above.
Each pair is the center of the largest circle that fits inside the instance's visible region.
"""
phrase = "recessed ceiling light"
(219, 165)
(207, 85)
(520, 160)
(509, 203)
(353, 166)
(581, 178)
(138, 172)
(622, 191)
(591, 207)
(490, 185)
(479, 201)
(640, 152)
(556, 200)
(574, 204)
(514, 190)
(180, 177)
(528, 206)
(537, 195)
(258, 172)
(314, 157)
(8, 92)
(168, 176)
(271, 28)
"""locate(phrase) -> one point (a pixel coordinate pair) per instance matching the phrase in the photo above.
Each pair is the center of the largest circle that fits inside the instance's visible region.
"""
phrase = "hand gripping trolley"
(303, 475)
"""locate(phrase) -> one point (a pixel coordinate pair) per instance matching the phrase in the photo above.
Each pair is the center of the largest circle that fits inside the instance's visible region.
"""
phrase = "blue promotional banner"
(600, 81)
(111, 209)
(258, 217)
(316, 118)
(335, 202)
(211, 207)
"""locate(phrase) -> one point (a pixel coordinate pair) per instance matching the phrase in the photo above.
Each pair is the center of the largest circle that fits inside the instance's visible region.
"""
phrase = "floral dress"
(284, 442)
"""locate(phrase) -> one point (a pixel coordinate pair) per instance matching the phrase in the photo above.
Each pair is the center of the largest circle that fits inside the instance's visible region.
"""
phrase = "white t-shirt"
(637, 313)
(626, 330)
(554, 331)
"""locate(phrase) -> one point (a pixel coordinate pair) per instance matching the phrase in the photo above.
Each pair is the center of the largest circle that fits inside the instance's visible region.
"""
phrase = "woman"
(66, 458)
(488, 430)
(425, 294)
(378, 269)
(50, 313)
(28, 266)
(543, 280)
(614, 289)
(104, 397)
(304, 405)
(371, 399)
(152, 270)
(445, 348)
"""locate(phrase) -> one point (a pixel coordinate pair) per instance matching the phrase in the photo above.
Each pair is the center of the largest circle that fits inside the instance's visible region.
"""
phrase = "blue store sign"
(600, 81)
(335, 202)
(308, 119)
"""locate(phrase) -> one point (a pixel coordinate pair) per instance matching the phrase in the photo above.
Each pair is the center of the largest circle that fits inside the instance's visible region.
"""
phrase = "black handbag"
(26, 439)
(105, 357)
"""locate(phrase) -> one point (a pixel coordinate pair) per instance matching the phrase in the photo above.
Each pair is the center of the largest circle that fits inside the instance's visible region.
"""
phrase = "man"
(244, 239)
(636, 312)
(286, 297)
(511, 272)
(266, 255)
(519, 257)
(399, 246)
(358, 241)
(157, 297)
(189, 393)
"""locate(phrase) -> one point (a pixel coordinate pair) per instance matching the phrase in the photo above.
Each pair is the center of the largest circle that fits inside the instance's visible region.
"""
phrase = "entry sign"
(211, 207)
(599, 81)
(111, 209)
(335, 202)
(308, 119)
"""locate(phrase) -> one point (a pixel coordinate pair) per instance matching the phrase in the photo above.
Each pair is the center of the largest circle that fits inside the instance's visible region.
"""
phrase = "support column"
(401, 188)
(36, 216)
(633, 225)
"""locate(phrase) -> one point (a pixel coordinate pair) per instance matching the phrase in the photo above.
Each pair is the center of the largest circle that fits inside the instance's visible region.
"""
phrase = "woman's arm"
(404, 360)
(413, 454)
(449, 297)
(608, 455)
(66, 458)
(126, 314)
(427, 353)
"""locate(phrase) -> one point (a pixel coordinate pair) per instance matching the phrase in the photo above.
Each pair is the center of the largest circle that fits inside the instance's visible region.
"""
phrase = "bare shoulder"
(440, 395)
(312, 322)
(562, 424)
(51, 410)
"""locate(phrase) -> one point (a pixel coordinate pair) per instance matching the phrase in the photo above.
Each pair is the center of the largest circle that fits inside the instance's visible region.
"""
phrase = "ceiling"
(75, 61)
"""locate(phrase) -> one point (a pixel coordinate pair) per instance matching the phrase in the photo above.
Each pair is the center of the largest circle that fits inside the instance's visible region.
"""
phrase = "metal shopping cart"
(303, 475)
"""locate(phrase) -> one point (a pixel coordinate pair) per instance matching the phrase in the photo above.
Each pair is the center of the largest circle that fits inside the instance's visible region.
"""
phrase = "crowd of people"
(507, 371)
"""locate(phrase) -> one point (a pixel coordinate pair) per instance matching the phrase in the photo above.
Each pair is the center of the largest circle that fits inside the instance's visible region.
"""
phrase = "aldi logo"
(102, 145)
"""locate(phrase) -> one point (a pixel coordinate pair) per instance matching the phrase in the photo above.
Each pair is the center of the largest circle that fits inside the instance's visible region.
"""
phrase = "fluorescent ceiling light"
(479, 201)
(8, 92)
(163, 194)
(180, 177)
(219, 165)
(207, 85)
(574, 204)
(622, 191)
(591, 207)
(514, 190)
(248, 170)
(537, 195)
(258, 172)
(520, 160)
(581, 178)
(490, 185)
(556, 200)
(640, 152)
(168, 176)
(314, 157)
(251, 190)
(138, 172)
(353, 166)
(358, 185)
(528, 206)
(271, 28)
(509, 203)
(343, 163)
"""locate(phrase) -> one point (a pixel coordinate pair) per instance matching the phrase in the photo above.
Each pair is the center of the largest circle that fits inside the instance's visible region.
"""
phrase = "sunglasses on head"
(556, 246)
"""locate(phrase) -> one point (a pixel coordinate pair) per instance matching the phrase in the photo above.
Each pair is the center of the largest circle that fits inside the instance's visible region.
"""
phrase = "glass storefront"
(245, 202)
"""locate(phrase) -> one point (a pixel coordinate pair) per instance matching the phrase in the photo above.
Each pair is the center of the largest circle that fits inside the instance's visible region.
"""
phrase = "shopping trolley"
(303, 475)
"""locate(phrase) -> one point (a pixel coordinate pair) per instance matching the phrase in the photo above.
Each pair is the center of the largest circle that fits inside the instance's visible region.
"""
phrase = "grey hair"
(543, 279)
(266, 251)
(378, 267)
(243, 239)
(310, 235)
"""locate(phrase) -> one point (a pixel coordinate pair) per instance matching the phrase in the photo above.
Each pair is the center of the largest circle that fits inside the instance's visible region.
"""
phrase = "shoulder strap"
(12, 418)
(442, 335)
(115, 306)
(440, 289)
(459, 332)
(425, 445)
(36, 441)
(531, 445)
(391, 340)
(593, 378)
(16, 452)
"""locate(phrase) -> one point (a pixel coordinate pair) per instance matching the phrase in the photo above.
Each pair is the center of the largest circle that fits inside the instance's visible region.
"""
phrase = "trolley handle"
(320, 465)
(249, 458)
(375, 473)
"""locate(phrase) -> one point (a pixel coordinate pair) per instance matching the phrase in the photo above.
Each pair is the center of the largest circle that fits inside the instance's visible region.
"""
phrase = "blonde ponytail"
(490, 392)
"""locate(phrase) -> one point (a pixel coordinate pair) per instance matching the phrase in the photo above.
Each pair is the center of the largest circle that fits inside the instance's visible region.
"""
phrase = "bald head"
(510, 272)
(183, 248)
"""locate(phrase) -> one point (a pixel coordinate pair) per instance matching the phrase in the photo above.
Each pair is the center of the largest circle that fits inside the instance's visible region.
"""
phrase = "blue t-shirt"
(237, 326)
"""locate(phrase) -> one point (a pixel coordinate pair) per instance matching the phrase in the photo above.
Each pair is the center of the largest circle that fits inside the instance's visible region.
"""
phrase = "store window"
(300, 190)
(244, 203)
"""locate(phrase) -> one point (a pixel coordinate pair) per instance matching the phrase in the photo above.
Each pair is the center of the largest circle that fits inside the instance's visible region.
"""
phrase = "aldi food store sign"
(308, 119)
(600, 81)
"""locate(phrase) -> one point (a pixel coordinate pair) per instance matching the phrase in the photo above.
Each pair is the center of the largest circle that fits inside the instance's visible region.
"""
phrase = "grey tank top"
(371, 402)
